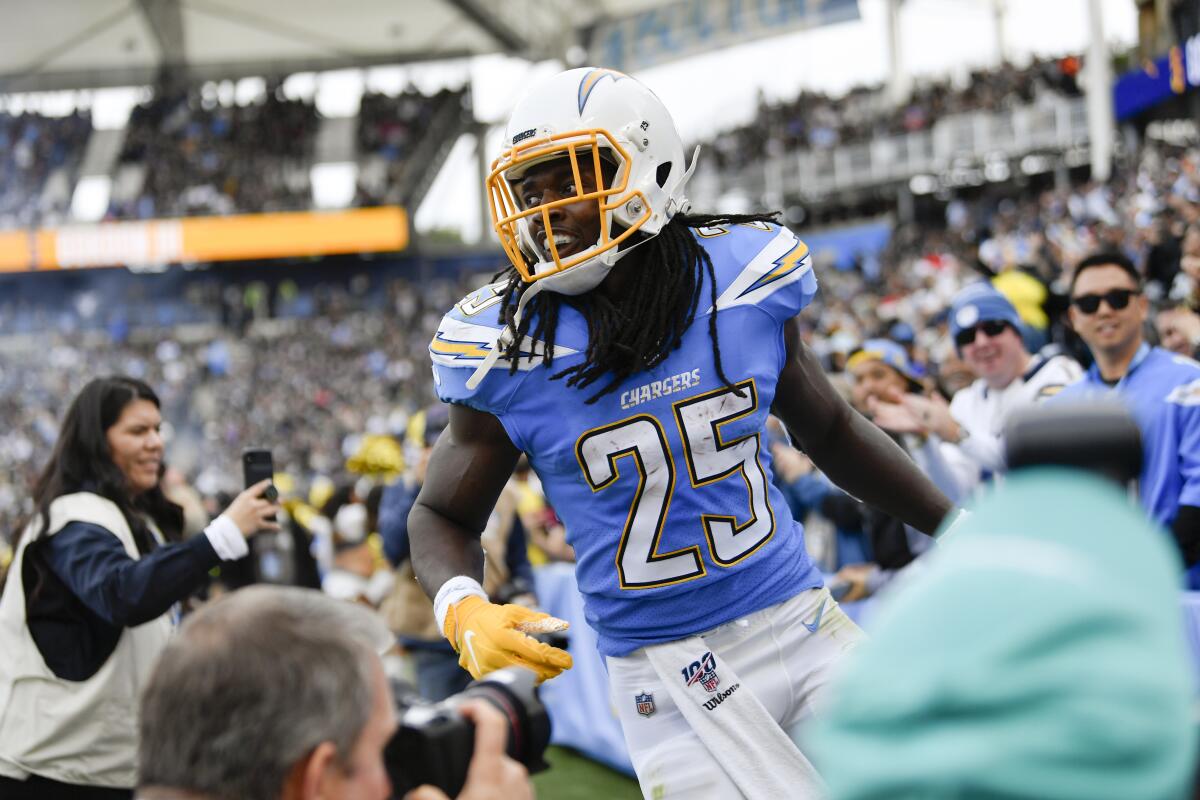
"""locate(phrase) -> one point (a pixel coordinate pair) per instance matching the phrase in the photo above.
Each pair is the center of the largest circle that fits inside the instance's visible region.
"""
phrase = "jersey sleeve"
(762, 265)
(1185, 402)
(463, 340)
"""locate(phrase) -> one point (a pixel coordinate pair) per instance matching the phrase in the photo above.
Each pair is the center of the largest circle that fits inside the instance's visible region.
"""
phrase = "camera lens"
(1100, 437)
(435, 742)
(513, 692)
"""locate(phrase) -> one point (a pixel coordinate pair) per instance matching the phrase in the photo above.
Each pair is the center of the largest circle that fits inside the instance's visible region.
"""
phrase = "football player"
(633, 351)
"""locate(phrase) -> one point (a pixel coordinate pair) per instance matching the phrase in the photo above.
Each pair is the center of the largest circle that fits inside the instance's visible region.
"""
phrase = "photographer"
(278, 692)
(87, 605)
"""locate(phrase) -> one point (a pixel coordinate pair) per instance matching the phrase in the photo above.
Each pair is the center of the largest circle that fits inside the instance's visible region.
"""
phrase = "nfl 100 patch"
(703, 671)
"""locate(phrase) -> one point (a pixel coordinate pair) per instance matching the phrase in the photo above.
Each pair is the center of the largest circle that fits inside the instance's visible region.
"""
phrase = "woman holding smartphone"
(87, 605)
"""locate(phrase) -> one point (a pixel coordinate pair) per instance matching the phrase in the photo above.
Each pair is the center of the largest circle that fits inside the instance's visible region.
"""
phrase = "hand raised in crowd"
(251, 512)
(892, 413)
(915, 413)
(790, 463)
(858, 576)
(934, 414)
(492, 775)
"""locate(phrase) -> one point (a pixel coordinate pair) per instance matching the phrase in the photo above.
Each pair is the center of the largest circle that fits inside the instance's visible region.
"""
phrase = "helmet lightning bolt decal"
(590, 81)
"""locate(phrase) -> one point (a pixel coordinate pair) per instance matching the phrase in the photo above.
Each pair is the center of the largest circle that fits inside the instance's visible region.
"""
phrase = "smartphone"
(271, 552)
(257, 465)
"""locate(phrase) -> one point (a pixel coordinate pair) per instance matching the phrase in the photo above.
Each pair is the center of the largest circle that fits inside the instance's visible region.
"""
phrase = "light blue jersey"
(664, 485)
(1162, 391)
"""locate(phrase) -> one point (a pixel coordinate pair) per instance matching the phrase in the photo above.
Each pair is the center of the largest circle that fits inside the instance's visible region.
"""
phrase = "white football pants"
(784, 655)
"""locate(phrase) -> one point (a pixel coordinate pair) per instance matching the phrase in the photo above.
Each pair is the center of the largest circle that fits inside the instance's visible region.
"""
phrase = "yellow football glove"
(485, 637)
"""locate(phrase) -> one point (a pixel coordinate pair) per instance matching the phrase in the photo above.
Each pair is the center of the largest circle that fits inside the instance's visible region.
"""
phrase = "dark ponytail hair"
(82, 462)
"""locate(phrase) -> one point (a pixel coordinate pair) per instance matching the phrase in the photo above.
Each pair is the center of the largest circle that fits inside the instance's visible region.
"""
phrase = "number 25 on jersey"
(643, 441)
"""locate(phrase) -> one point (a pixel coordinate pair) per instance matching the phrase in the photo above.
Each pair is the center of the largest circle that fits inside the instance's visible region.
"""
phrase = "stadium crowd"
(1145, 211)
(334, 380)
(31, 148)
(204, 157)
(311, 370)
(282, 380)
(389, 130)
(817, 121)
(203, 154)
(206, 154)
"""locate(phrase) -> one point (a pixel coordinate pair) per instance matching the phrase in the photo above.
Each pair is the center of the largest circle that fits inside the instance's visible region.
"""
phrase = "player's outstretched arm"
(469, 465)
(856, 455)
(468, 468)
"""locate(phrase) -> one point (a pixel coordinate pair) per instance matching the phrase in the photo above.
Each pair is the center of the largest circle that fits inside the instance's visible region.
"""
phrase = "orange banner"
(16, 253)
(200, 239)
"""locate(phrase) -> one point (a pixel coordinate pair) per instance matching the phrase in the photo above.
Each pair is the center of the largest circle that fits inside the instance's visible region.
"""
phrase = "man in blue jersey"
(1161, 388)
(633, 351)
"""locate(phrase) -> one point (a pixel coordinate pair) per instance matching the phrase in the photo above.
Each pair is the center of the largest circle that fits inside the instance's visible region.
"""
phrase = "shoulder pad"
(464, 338)
(760, 264)
(471, 329)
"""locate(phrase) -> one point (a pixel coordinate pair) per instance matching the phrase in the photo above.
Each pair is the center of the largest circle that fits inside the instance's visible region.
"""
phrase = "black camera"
(434, 743)
(1097, 436)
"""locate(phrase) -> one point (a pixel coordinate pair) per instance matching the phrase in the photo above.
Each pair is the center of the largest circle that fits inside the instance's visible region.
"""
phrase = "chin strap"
(507, 334)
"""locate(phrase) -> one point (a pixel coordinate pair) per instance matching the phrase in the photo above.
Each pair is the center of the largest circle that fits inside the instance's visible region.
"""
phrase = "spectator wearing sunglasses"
(1161, 389)
(987, 336)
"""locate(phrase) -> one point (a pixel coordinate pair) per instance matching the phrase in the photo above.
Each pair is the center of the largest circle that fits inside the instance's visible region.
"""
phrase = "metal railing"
(953, 141)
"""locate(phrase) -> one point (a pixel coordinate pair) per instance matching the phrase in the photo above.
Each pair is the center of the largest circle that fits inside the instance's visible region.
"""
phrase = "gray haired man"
(279, 692)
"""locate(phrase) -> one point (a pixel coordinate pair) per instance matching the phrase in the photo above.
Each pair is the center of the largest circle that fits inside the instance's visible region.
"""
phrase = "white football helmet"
(594, 114)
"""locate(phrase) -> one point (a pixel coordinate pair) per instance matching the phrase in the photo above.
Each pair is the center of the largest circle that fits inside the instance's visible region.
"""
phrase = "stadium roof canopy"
(74, 44)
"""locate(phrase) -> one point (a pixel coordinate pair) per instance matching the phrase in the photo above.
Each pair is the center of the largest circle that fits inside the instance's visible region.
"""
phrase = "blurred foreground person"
(87, 607)
(279, 692)
(1035, 679)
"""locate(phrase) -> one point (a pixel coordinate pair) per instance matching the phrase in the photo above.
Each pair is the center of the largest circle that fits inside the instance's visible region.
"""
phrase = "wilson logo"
(716, 700)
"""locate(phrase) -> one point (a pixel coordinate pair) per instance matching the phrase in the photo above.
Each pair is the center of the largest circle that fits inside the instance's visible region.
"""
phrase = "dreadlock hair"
(638, 331)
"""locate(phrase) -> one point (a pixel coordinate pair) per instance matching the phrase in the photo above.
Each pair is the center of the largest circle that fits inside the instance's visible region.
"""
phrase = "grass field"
(573, 777)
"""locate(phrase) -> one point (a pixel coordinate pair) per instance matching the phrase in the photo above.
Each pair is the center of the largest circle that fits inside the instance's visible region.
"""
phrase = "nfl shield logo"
(703, 672)
(708, 673)
(645, 703)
